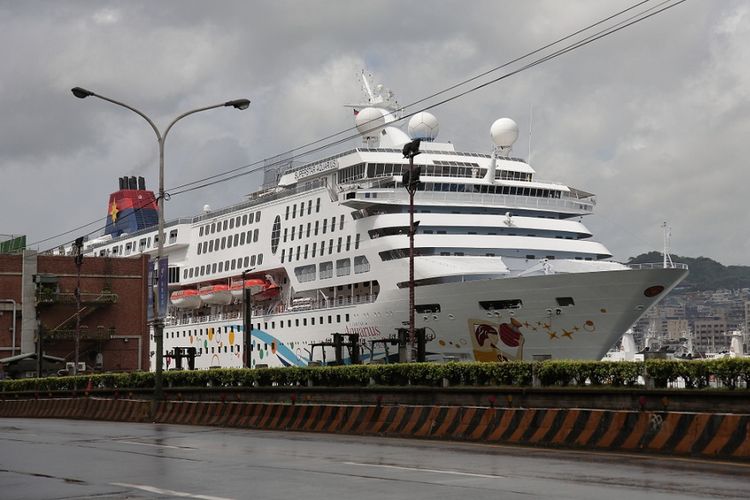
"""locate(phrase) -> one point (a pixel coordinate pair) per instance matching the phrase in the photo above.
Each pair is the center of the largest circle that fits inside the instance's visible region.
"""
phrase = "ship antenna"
(667, 235)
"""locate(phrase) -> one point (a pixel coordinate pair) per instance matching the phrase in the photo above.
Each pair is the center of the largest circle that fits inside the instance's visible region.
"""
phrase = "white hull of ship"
(605, 305)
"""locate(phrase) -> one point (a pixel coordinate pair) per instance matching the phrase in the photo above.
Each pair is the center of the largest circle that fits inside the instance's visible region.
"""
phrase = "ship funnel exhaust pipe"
(141, 183)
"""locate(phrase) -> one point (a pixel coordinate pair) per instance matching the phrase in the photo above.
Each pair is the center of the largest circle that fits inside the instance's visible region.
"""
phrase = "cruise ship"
(504, 269)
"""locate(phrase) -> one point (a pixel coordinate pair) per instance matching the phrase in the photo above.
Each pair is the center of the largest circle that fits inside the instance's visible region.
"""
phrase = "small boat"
(216, 294)
(186, 299)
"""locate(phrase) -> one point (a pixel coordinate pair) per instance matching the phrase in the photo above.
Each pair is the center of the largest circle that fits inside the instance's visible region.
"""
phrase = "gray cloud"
(652, 119)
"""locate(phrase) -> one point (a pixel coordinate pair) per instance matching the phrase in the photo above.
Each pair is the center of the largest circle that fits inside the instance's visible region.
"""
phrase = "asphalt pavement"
(65, 459)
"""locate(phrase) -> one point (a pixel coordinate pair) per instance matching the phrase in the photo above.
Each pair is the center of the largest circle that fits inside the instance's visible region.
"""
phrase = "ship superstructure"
(504, 267)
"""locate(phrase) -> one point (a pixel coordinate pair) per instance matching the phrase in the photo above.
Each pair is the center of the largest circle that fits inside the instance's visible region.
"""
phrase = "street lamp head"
(239, 103)
(81, 93)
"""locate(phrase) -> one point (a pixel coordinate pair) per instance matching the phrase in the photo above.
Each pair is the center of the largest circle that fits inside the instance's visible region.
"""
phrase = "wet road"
(46, 459)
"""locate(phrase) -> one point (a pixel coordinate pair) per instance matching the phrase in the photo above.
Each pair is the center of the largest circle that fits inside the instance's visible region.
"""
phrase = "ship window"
(305, 273)
(338, 246)
(300, 232)
(427, 308)
(234, 264)
(255, 235)
(236, 239)
(531, 257)
(203, 270)
(286, 231)
(200, 231)
(330, 245)
(361, 265)
(325, 225)
(322, 248)
(257, 217)
(348, 242)
(275, 234)
(283, 252)
(224, 226)
(213, 227)
(306, 247)
(309, 207)
(299, 248)
(317, 205)
(294, 211)
(200, 248)
(302, 209)
(312, 321)
(231, 223)
(341, 223)
(260, 258)
(495, 305)
(313, 249)
(329, 319)
(343, 267)
(356, 242)
(223, 242)
(221, 266)
(252, 260)
(326, 270)
(242, 238)
(244, 220)
(229, 241)
(333, 224)
(317, 225)
(213, 268)
(286, 215)
(249, 236)
(338, 318)
(309, 225)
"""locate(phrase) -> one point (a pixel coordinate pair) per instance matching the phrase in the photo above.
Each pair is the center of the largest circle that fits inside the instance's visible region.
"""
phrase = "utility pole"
(78, 257)
(410, 180)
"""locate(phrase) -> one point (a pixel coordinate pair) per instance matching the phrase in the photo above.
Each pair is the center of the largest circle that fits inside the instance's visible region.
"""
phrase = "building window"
(341, 223)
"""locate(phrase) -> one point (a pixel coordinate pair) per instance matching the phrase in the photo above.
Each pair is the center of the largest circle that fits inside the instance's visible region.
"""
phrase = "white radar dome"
(370, 121)
(424, 126)
(504, 132)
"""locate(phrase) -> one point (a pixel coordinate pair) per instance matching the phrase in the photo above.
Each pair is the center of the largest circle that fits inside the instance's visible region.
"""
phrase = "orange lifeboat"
(185, 299)
(216, 294)
(260, 289)
(254, 285)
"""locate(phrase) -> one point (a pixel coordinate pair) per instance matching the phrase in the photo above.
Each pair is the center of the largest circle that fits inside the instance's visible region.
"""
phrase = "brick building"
(41, 290)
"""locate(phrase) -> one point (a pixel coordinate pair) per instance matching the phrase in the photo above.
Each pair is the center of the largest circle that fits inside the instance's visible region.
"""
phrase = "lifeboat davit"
(186, 299)
(216, 294)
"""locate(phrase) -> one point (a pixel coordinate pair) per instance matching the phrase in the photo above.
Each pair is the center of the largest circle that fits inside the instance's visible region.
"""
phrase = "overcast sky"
(653, 119)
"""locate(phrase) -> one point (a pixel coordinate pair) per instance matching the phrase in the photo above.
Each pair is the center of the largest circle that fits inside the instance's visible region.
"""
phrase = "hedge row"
(732, 373)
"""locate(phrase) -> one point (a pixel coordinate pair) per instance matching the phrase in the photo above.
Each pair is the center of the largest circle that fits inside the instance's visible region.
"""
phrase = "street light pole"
(410, 180)
(78, 245)
(158, 322)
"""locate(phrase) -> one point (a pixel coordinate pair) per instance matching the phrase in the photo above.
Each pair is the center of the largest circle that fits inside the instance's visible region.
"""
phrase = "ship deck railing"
(658, 265)
(583, 206)
(272, 310)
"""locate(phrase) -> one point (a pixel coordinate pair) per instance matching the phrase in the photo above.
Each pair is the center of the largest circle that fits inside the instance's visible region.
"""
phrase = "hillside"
(705, 273)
